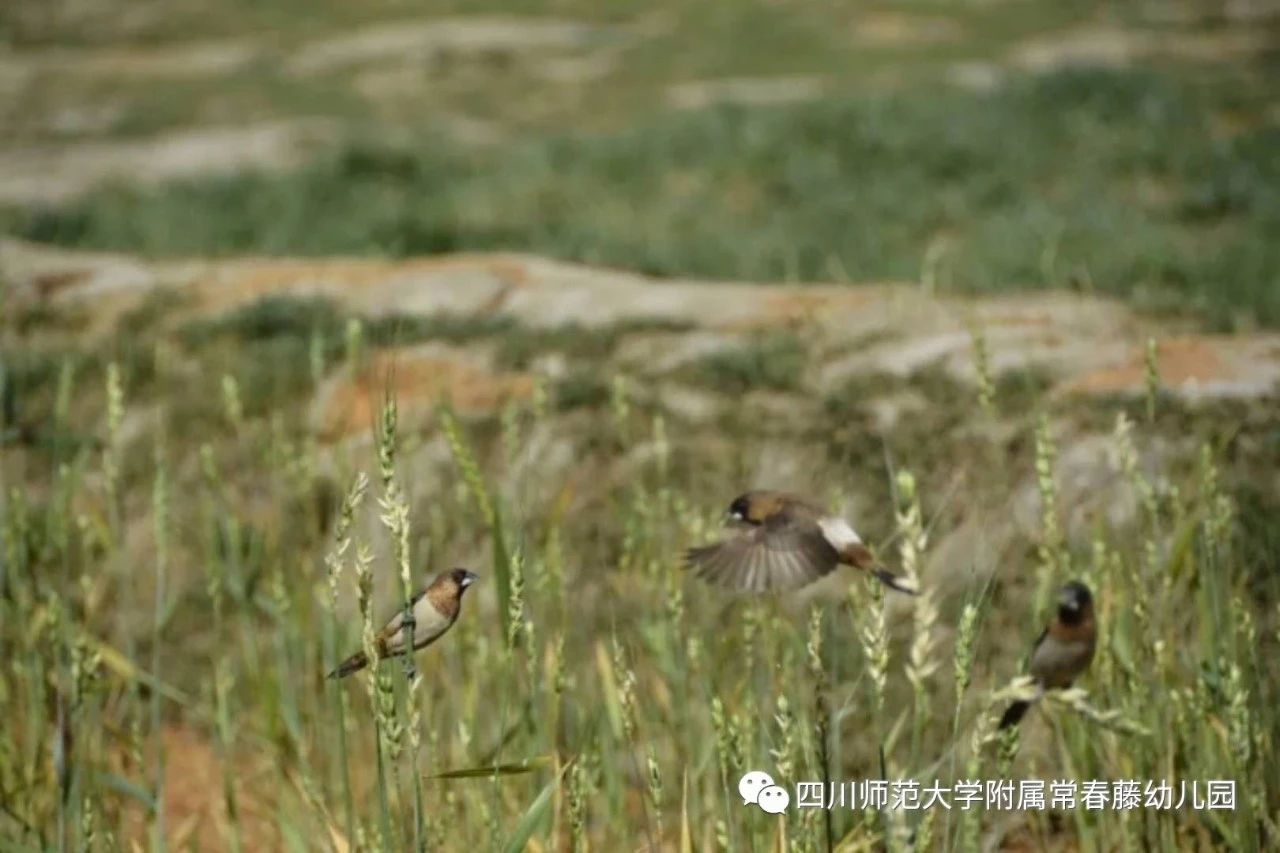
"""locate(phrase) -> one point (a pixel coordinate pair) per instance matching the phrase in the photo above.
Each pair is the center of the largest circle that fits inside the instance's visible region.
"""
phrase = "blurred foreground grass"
(181, 569)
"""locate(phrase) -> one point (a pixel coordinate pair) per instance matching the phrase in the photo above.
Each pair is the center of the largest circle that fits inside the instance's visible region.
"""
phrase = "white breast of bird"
(427, 625)
(429, 622)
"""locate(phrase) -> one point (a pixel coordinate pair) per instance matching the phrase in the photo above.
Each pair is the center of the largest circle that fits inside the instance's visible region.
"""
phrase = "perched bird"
(1064, 649)
(784, 542)
(434, 610)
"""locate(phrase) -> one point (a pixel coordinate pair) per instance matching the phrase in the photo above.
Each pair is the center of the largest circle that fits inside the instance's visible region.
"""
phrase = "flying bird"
(784, 542)
(434, 610)
(1063, 650)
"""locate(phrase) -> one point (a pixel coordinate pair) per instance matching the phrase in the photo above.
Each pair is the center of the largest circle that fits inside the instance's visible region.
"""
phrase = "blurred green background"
(1126, 148)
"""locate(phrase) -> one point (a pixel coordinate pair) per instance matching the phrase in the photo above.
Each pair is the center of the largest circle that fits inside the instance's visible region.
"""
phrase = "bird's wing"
(772, 556)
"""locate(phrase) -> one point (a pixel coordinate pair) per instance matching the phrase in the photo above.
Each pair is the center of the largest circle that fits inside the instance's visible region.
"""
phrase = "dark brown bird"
(434, 609)
(784, 542)
(1063, 650)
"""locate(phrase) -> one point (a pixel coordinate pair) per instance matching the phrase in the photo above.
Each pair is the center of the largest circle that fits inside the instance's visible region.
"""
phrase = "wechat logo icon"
(757, 789)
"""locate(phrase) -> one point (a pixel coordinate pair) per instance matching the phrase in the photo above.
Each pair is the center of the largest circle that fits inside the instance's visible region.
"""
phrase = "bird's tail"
(893, 581)
(1014, 714)
(355, 663)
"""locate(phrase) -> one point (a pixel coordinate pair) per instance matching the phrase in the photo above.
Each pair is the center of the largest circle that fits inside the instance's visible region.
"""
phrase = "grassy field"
(181, 569)
(185, 552)
(1108, 181)
(1153, 178)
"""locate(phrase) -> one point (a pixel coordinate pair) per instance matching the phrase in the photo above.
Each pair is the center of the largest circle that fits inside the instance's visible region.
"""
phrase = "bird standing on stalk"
(434, 610)
(1064, 649)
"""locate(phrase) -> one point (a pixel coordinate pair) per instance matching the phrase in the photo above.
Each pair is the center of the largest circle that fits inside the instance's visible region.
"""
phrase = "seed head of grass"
(1129, 465)
(363, 571)
(578, 793)
(674, 602)
(62, 398)
(86, 662)
(353, 341)
(873, 634)
(626, 691)
(924, 831)
(1239, 722)
(115, 403)
(1076, 698)
(694, 656)
(620, 404)
(655, 787)
(551, 578)
(389, 723)
(560, 679)
(966, 634)
(1050, 551)
(722, 834)
(1152, 378)
(784, 754)
(813, 648)
(232, 406)
(111, 450)
(467, 465)
(315, 355)
(335, 559)
(515, 601)
(661, 447)
(720, 725)
(982, 368)
(913, 540)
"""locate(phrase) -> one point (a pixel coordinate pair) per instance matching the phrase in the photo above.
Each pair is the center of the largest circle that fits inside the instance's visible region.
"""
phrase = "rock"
(1080, 344)
(1195, 367)
(752, 91)
(421, 378)
(429, 39)
(57, 173)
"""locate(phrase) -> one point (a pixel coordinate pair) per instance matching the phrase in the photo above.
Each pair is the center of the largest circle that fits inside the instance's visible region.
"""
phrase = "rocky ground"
(893, 361)
(1083, 344)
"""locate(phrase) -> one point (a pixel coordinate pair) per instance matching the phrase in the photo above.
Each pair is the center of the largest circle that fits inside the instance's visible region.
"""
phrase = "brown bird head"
(1075, 603)
(461, 578)
(754, 507)
(445, 592)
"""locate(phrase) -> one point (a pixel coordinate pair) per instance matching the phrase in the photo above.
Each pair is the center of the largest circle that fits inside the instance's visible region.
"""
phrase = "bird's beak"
(468, 579)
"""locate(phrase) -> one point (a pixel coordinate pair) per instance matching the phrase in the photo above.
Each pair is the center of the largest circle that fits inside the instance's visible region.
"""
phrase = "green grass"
(637, 51)
(519, 346)
(168, 543)
(610, 686)
(1114, 181)
(774, 361)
